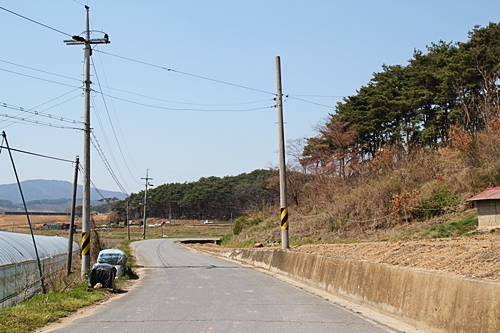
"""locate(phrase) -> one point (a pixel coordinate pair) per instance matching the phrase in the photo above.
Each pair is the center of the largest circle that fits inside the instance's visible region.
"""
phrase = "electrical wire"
(53, 99)
(43, 25)
(320, 96)
(80, 169)
(187, 103)
(119, 127)
(130, 92)
(99, 150)
(37, 78)
(107, 144)
(37, 122)
(306, 101)
(114, 132)
(39, 70)
(21, 119)
(187, 74)
(41, 113)
(39, 155)
(182, 109)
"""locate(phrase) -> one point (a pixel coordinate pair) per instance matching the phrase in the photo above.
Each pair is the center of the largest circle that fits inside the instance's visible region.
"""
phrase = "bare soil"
(475, 257)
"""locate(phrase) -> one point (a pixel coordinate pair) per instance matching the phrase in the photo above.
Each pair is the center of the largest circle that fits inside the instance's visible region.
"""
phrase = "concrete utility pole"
(72, 218)
(281, 137)
(145, 203)
(128, 223)
(78, 40)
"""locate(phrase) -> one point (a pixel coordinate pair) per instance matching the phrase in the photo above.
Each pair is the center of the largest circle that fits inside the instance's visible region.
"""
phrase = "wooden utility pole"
(281, 137)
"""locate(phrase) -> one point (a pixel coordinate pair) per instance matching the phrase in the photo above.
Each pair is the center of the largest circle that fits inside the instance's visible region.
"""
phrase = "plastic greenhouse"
(19, 275)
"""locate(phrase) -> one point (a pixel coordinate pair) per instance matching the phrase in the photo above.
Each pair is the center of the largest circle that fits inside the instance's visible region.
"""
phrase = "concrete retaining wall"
(434, 302)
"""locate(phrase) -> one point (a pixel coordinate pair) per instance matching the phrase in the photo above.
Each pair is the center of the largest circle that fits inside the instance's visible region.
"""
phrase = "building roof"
(491, 193)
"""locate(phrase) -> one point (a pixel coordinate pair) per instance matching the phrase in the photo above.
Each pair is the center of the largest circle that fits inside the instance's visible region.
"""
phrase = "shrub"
(439, 200)
(239, 224)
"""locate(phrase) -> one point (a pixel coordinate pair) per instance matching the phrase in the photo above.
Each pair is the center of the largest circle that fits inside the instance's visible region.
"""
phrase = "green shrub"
(439, 200)
(225, 239)
(255, 221)
(238, 225)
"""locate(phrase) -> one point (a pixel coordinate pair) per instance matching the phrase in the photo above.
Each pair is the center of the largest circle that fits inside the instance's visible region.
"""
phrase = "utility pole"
(78, 40)
(281, 137)
(72, 218)
(128, 224)
(145, 204)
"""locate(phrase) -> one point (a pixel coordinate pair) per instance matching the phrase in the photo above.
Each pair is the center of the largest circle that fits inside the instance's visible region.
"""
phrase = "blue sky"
(182, 124)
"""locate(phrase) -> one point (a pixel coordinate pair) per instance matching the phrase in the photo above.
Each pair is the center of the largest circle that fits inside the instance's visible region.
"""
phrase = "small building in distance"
(488, 208)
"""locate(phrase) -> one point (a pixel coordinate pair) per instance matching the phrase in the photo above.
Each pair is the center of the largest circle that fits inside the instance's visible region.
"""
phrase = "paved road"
(183, 291)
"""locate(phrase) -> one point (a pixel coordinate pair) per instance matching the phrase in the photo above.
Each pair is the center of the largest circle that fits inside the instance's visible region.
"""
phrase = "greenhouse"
(19, 275)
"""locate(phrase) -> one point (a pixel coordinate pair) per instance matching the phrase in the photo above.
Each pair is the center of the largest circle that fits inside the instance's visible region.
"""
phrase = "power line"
(306, 101)
(182, 109)
(108, 143)
(53, 99)
(187, 103)
(120, 128)
(37, 78)
(39, 70)
(319, 96)
(113, 129)
(41, 113)
(80, 168)
(126, 91)
(19, 114)
(138, 103)
(43, 25)
(37, 122)
(39, 155)
(187, 74)
(99, 150)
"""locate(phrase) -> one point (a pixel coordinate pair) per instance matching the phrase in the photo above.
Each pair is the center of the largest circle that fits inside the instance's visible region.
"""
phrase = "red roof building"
(488, 208)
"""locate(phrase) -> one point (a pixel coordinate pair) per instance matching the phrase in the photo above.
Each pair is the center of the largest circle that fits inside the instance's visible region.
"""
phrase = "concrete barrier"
(430, 301)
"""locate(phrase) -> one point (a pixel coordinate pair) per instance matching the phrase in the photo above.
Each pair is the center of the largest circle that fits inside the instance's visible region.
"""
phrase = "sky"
(186, 88)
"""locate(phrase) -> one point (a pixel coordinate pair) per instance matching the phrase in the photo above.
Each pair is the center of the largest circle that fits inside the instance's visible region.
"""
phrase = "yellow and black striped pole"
(281, 137)
(284, 218)
(85, 247)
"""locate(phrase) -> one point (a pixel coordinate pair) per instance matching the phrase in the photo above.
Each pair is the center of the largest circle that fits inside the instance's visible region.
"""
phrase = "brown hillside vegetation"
(475, 257)
(399, 208)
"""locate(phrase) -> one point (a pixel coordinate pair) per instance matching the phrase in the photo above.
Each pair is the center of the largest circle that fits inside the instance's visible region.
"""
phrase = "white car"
(208, 222)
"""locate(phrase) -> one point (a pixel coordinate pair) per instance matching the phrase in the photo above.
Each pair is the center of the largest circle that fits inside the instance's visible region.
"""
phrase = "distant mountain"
(57, 205)
(48, 195)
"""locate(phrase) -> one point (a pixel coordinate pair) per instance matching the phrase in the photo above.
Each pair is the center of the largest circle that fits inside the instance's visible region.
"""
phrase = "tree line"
(451, 90)
(208, 198)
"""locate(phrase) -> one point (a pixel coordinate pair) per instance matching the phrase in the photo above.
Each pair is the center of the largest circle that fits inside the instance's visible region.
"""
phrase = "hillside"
(46, 195)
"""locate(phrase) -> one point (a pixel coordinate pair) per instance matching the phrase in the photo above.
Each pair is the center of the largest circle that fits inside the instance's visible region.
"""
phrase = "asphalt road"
(183, 291)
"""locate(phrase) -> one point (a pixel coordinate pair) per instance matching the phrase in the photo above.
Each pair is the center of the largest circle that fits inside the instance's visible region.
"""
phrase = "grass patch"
(71, 294)
(453, 229)
(43, 309)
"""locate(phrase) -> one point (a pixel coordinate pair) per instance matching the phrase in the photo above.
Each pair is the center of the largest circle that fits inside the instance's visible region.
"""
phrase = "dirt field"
(476, 257)
(16, 222)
